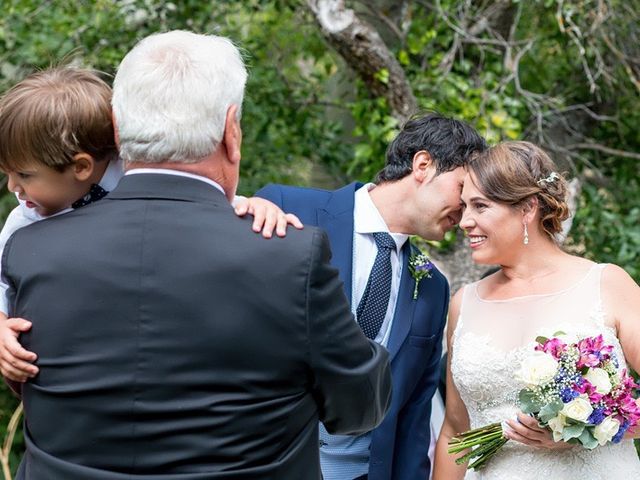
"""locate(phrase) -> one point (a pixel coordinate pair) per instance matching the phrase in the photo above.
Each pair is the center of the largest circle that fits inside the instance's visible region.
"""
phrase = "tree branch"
(604, 149)
(366, 53)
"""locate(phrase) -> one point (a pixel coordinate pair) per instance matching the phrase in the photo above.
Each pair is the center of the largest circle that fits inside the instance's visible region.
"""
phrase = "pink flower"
(593, 351)
(553, 346)
(629, 409)
(586, 387)
(628, 384)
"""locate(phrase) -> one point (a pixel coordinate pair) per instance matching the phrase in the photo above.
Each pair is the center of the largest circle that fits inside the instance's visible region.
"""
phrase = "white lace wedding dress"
(489, 343)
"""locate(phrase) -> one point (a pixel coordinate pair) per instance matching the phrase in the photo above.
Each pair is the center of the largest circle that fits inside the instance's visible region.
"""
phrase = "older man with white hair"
(173, 342)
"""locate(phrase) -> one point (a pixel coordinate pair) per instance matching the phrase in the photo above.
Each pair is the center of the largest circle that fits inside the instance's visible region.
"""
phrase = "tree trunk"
(366, 53)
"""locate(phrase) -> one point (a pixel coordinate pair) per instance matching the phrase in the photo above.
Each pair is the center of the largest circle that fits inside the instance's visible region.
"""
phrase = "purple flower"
(623, 428)
(597, 416)
(424, 267)
(614, 359)
(567, 394)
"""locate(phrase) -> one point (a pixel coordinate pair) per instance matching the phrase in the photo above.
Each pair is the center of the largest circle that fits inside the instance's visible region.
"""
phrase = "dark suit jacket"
(399, 446)
(175, 343)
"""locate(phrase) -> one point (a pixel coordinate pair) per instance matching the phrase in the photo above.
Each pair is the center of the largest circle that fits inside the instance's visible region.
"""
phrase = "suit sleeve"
(352, 378)
(18, 218)
(271, 192)
(411, 459)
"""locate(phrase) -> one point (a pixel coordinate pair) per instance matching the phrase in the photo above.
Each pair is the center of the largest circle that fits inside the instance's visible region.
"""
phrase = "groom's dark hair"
(451, 144)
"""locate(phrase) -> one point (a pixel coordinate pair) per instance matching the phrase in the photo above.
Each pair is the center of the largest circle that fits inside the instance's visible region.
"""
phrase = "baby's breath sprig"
(420, 267)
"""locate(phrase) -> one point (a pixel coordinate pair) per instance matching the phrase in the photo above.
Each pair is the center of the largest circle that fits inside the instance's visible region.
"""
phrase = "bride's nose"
(466, 222)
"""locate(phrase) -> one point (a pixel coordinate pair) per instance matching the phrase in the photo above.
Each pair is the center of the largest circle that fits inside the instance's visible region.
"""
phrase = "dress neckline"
(536, 295)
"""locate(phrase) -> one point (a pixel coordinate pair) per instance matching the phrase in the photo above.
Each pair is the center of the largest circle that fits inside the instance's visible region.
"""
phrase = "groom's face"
(439, 204)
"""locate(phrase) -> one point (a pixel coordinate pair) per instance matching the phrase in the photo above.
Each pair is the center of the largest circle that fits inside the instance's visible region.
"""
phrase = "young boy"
(58, 152)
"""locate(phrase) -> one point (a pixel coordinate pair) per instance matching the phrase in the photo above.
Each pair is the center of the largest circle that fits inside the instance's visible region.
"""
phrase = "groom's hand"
(526, 430)
(266, 216)
(16, 363)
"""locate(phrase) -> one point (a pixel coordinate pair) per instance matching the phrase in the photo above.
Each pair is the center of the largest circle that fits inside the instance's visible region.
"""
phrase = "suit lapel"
(336, 218)
(405, 306)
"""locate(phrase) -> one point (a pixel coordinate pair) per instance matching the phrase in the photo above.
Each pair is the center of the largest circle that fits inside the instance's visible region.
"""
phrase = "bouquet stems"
(488, 440)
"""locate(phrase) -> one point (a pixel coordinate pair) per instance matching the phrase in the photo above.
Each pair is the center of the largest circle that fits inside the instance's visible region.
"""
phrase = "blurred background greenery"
(323, 102)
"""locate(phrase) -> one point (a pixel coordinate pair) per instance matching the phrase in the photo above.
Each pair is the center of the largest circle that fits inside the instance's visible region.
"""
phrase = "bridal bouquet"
(572, 388)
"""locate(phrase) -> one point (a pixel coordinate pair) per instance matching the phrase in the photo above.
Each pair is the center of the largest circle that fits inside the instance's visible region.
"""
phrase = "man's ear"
(424, 168)
(232, 137)
(83, 165)
(116, 134)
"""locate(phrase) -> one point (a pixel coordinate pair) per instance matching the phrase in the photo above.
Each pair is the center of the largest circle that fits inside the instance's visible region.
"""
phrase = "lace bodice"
(489, 344)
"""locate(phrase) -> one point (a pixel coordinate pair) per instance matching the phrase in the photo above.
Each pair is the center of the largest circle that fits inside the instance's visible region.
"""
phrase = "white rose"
(557, 424)
(579, 408)
(599, 378)
(606, 430)
(538, 369)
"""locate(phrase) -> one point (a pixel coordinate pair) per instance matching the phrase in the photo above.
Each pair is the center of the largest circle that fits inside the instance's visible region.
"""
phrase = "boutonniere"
(420, 267)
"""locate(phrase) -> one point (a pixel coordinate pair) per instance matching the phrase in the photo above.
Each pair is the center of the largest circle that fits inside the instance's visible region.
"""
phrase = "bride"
(514, 203)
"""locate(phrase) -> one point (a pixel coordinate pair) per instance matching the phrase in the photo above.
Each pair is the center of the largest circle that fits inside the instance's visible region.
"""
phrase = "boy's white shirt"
(21, 216)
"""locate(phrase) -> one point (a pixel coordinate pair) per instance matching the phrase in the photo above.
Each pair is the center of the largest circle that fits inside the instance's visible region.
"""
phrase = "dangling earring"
(526, 235)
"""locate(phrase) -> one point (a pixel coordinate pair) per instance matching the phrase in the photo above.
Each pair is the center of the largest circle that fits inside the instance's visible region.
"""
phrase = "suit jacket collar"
(167, 187)
(336, 218)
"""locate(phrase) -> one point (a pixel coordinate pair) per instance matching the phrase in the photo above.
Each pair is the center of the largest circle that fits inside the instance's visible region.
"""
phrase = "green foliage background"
(306, 121)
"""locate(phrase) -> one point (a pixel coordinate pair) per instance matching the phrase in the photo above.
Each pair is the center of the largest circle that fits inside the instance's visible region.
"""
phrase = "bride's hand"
(526, 430)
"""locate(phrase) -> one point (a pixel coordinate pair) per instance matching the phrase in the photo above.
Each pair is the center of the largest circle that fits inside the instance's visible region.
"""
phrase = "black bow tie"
(96, 192)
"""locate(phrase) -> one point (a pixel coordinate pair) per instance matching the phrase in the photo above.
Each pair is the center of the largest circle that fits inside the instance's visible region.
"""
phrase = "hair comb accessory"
(543, 182)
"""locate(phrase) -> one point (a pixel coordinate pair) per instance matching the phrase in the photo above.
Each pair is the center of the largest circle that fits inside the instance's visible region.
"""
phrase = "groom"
(417, 193)
(174, 343)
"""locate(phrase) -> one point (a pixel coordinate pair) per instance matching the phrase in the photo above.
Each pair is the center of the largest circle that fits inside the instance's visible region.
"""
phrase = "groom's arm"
(271, 192)
(352, 379)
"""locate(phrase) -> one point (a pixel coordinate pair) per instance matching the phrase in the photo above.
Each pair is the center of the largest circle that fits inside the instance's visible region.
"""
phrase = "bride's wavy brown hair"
(511, 173)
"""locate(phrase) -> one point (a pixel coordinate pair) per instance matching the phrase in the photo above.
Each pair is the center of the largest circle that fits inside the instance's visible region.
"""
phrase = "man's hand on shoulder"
(267, 216)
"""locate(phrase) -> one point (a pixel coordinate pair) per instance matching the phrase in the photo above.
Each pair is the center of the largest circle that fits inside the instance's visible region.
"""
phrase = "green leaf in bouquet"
(529, 401)
(587, 439)
(572, 431)
(558, 333)
(550, 410)
(541, 340)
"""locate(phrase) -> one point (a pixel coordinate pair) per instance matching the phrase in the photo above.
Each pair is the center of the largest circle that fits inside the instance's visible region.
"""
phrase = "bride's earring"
(526, 235)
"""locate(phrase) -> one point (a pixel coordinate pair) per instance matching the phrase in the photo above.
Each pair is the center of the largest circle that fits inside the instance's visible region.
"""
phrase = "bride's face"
(494, 230)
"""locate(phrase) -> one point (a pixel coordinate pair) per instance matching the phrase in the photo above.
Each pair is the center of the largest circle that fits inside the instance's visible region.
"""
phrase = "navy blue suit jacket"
(399, 446)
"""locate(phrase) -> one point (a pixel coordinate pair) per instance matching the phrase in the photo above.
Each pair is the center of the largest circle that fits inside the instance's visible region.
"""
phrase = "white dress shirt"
(367, 221)
(177, 173)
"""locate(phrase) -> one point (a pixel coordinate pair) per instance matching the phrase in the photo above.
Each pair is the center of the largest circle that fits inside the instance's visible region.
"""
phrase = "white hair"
(171, 95)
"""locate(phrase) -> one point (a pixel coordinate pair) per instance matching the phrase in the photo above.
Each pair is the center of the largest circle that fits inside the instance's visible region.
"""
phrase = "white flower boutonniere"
(420, 267)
